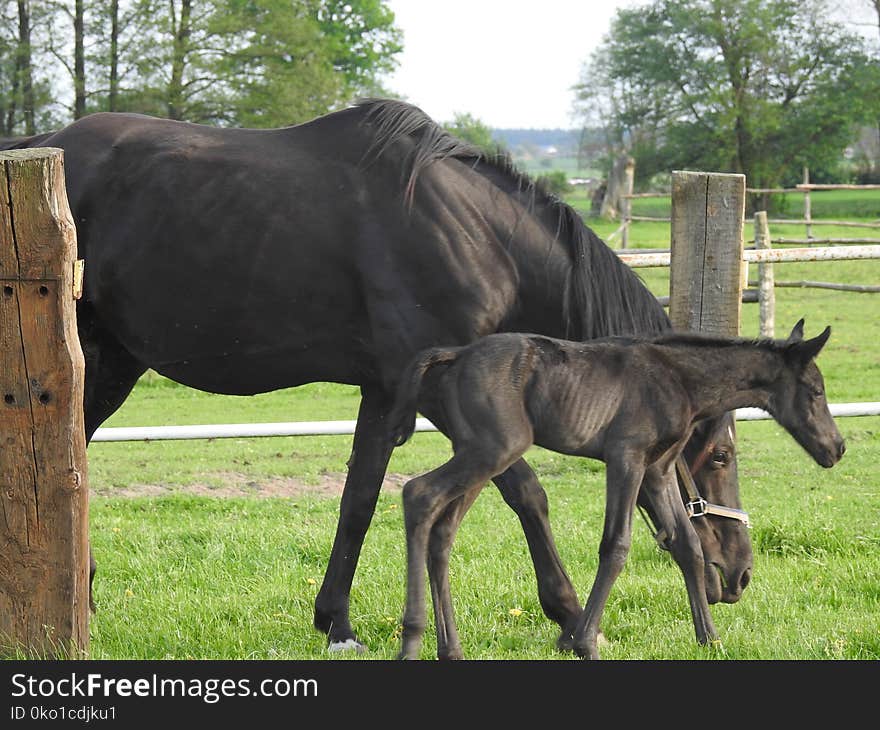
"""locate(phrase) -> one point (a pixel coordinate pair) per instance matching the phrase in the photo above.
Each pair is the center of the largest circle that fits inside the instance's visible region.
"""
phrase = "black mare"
(242, 261)
(630, 403)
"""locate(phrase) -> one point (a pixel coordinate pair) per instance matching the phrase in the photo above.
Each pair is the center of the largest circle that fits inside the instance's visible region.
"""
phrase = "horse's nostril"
(744, 579)
(841, 450)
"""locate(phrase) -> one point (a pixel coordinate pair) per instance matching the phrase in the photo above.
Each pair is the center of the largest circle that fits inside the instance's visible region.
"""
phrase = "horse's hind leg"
(371, 450)
(524, 494)
(110, 374)
(684, 544)
(439, 547)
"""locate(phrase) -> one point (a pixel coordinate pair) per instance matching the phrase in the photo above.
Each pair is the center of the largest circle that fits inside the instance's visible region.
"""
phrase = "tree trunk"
(114, 56)
(79, 62)
(620, 183)
(178, 62)
(23, 68)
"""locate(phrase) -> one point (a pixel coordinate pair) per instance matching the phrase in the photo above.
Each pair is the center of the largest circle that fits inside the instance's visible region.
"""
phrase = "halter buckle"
(697, 507)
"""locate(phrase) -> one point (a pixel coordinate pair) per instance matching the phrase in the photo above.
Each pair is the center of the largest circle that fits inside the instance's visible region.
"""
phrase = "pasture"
(216, 549)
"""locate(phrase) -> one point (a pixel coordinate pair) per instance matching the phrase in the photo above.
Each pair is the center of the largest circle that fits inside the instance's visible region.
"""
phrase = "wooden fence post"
(44, 554)
(808, 209)
(766, 283)
(706, 260)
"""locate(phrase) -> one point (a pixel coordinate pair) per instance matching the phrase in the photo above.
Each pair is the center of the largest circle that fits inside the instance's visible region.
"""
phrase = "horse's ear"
(797, 332)
(808, 349)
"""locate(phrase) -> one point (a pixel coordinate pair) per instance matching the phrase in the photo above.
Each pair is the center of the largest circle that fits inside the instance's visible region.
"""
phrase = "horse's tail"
(18, 143)
(403, 414)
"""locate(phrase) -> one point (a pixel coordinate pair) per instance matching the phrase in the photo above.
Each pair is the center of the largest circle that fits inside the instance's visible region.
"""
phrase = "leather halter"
(696, 506)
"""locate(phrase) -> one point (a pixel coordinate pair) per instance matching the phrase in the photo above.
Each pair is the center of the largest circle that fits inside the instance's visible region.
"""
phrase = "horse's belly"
(250, 372)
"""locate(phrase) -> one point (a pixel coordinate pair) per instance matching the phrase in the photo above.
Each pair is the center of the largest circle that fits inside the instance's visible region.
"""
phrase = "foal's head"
(797, 398)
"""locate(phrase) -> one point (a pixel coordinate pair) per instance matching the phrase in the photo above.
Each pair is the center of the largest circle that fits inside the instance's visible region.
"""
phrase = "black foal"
(630, 403)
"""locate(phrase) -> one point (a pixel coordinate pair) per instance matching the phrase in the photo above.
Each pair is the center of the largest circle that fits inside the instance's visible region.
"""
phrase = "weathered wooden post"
(766, 281)
(43, 486)
(706, 260)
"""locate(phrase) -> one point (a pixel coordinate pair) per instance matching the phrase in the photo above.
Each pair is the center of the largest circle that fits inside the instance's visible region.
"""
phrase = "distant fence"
(808, 221)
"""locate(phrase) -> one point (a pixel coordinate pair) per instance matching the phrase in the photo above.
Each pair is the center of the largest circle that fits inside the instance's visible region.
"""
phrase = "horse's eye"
(720, 458)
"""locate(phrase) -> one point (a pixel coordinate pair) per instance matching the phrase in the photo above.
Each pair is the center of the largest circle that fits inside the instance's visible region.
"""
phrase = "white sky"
(510, 63)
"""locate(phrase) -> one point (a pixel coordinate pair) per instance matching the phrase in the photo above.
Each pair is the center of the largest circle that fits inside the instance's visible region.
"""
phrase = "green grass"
(194, 575)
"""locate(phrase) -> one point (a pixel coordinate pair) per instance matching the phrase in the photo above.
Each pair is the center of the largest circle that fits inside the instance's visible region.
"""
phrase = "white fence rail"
(331, 428)
(763, 256)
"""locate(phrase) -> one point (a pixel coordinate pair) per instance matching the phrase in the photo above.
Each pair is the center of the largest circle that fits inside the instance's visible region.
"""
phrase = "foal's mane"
(603, 295)
(698, 339)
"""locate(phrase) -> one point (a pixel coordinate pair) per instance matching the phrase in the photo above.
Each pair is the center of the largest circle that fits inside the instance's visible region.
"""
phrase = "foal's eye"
(720, 458)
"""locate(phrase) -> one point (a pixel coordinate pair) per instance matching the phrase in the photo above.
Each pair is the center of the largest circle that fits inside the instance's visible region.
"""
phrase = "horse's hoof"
(335, 647)
(586, 651)
(565, 643)
(451, 656)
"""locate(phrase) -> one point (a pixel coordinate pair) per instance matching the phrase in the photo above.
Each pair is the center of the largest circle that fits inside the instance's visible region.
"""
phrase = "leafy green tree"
(26, 92)
(257, 63)
(361, 39)
(471, 129)
(760, 87)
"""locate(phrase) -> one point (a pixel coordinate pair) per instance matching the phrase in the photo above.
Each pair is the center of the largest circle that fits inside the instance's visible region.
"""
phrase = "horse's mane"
(603, 295)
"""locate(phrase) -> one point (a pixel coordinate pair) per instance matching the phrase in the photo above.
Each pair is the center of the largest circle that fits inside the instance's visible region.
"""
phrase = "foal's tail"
(403, 414)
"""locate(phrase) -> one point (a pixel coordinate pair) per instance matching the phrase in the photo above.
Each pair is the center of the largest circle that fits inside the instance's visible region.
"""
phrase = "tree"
(254, 63)
(25, 81)
(361, 39)
(470, 129)
(759, 87)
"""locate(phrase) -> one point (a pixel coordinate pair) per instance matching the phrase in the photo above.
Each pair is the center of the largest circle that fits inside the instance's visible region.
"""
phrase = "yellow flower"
(515, 612)
(129, 592)
(311, 581)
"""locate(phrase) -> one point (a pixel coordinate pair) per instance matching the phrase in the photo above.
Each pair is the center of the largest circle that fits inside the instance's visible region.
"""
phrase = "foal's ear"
(806, 350)
(797, 332)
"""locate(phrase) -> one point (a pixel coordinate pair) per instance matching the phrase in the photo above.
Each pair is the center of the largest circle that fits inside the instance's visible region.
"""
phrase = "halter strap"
(696, 506)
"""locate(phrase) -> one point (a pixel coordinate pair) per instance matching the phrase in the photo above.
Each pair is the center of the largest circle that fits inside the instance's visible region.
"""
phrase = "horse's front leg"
(524, 494)
(622, 480)
(661, 488)
(110, 374)
(366, 469)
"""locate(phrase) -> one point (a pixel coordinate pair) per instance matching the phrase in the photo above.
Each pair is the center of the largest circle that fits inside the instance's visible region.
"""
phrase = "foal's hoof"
(565, 642)
(336, 647)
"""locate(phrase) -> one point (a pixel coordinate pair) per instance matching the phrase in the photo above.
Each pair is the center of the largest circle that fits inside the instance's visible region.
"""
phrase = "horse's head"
(710, 455)
(797, 398)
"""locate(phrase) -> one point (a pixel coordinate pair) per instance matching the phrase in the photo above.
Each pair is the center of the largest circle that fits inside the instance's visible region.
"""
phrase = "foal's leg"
(684, 544)
(439, 547)
(524, 494)
(425, 498)
(622, 480)
(366, 468)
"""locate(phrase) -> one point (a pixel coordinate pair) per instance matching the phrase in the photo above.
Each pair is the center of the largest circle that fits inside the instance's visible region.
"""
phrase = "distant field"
(216, 549)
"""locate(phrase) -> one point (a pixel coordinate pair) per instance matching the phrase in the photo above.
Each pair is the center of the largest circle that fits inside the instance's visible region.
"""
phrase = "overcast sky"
(510, 63)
